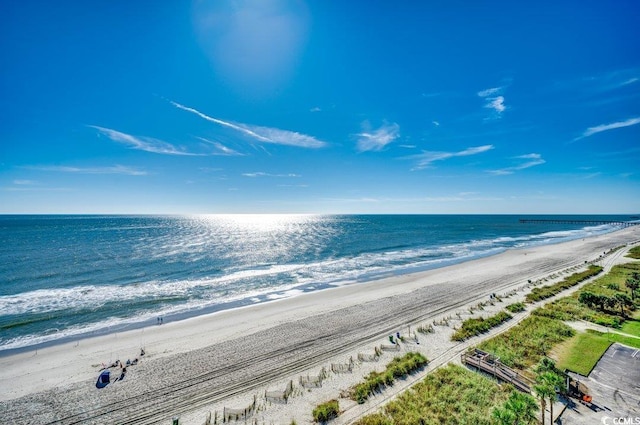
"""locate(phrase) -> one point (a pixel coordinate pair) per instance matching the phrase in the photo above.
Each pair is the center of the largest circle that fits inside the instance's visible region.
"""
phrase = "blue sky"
(319, 107)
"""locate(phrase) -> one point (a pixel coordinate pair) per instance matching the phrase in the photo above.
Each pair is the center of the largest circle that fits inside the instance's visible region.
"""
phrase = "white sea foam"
(262, 275)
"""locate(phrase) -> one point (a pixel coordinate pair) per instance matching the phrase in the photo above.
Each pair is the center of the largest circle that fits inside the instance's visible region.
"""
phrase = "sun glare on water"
(258, 222)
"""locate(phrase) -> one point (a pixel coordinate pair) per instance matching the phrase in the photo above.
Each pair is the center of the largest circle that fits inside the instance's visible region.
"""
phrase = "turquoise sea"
(64, 277)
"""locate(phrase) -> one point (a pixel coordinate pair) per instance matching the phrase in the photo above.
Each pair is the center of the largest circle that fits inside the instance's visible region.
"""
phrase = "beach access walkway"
(488, 363)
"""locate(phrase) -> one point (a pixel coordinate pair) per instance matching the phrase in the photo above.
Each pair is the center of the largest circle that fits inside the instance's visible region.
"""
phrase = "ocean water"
(63, 277)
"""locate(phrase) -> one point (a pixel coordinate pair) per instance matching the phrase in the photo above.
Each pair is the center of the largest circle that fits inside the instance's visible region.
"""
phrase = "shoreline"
(268, 297)
(288, 336)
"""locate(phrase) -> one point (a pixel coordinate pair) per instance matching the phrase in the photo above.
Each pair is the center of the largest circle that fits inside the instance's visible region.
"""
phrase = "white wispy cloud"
(591, 175)
(24, 182)
(261, 134)
(496, 103)
(530, 160)
(426, 158)
(493, 99)
(606, 127)
(315, 109)
(490, 92)
(35, 189)
(147, 144)
(262, 174)
(460, 197)
(116, 169)
(436, 123)
(376, 140)
(221, 149)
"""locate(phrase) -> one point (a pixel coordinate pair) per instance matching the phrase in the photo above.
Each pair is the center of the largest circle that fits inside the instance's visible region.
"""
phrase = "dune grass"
(449, 395)
(399, 367)
(473, 327)
(326, 411)
(634, 253)
(548, 291)
(516, 307)
(525, 344)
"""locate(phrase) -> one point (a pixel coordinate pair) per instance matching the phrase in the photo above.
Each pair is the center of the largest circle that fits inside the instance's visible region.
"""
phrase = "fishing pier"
(581, 222)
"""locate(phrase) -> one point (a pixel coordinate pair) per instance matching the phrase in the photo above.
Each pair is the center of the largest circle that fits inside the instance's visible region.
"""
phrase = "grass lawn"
(631, 342)
(631, 327)
(582, 352)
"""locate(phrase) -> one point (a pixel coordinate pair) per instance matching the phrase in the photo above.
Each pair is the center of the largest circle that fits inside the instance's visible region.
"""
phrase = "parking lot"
(614, 385)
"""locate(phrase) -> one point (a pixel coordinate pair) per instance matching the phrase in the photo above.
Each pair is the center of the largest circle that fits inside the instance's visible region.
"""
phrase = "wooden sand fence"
(342, 367)
(279, 396)
(370, 357)
(208, 420)
(389, 347)
(238, 414)
(313, 381)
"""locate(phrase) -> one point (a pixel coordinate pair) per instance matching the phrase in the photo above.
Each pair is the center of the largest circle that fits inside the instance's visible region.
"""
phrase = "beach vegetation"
(451, 394)
(545, 389)
(516, 307)
(548, 291)
(525, 344)
(472, 327)
(455, 395)
(519, 408)
(634, 252)
(633, 283)
(326, 411)
(399, 367)
(598, 302)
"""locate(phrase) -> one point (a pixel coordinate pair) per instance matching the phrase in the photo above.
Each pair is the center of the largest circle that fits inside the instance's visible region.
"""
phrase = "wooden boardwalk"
(489, 364)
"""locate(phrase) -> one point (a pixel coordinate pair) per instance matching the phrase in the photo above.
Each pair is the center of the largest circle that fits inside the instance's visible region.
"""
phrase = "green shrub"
(544, 292)
(526, 343)
(473, 327)
(590, 303)
(516, 307)
(449, 395)
(399, 367)
(634, 252)
(326, 411)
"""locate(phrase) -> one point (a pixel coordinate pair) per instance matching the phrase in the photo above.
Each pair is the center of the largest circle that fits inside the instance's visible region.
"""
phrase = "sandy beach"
(206, 363)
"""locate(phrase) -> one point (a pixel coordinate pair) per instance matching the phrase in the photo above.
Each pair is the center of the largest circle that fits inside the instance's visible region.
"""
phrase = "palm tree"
(623, 301)
(551, 380)
(519, 409)
(633, 283)
(543, 392)
(546, 365)
(504, 416)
